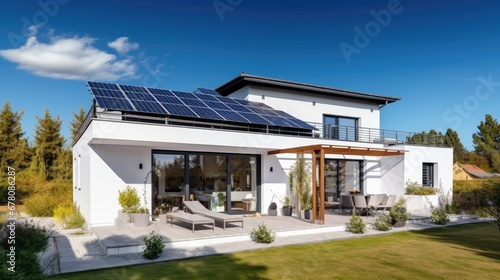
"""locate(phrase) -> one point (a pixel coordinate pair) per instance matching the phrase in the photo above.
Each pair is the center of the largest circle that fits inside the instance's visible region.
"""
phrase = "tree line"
(486, 141)
(47, 158)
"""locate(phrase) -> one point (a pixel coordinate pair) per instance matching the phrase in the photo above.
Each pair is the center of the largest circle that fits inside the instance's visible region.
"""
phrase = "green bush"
(356, 224)
(154, 246)
(454, 208)
(69, 216)
(51, 194)
(413, 188)
(439, 217)
(383, 223)
(263, 235)
(128, 198)
(398, 211)
(30, 240)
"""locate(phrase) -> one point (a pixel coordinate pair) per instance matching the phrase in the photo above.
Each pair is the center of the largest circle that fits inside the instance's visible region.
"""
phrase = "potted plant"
(221, 202)
(287, 206)
(307, 205)
(398, 214)
(141, 217)
(299, 181)
(128, 200)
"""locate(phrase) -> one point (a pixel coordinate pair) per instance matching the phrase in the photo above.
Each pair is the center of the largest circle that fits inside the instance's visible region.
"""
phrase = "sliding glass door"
(341, 176)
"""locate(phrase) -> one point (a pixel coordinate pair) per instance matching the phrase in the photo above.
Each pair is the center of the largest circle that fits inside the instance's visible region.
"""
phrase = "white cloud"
(69, 58)
(122, 45)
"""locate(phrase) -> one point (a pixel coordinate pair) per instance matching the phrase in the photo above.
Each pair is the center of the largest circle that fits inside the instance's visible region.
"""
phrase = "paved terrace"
(112, 246)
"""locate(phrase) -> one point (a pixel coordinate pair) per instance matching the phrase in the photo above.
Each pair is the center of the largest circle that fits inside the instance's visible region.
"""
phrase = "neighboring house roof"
(476, 171)
(245, 79)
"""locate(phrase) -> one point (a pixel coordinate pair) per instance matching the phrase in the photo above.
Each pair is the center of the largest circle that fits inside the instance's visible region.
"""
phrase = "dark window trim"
(430, 176)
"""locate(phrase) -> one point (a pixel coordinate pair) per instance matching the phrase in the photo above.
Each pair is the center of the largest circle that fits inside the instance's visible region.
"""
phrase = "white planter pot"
(141, 220)
(421, 203)
(124, 216)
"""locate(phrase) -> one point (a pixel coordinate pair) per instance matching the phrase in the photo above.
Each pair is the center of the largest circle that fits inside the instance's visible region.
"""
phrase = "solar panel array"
(204, 104)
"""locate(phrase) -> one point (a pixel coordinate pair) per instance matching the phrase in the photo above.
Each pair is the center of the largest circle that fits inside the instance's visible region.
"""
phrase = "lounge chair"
(189, 218)
(196, 207)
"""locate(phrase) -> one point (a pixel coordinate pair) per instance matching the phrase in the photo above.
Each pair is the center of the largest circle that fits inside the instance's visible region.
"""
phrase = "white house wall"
(117, 148)
(396, 172)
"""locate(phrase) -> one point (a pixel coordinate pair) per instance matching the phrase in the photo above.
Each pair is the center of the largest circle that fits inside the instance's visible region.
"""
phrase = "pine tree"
(14, 150)
(452, 140)
(487, 141)
(76, 123)
(48, 146)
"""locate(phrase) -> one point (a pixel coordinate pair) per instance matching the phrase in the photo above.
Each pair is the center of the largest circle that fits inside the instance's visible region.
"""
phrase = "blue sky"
(442, 58)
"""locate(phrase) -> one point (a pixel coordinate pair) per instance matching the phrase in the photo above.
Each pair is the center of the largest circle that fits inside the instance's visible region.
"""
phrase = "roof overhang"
(340, 150)
(245, 80)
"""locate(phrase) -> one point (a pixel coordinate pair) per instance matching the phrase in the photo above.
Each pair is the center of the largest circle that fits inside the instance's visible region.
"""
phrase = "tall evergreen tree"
(76, 123)
(487, 141)
(452, 140)
(432, 138)
(48, 146)
(14, 150)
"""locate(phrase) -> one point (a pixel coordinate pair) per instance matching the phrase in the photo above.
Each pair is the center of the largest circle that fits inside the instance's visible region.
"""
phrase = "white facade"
(110, 152)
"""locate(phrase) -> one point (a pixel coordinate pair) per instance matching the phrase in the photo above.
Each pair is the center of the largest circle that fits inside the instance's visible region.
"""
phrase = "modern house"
(469, 172)
(232, 148)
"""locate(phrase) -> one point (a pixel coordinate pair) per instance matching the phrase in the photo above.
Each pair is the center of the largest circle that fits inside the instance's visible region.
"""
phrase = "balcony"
(372, 135)
(325, 131)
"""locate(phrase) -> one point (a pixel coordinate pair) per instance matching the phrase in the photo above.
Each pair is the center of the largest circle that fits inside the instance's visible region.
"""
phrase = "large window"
(342, 176)
(340, 128)
(428, 174)
(221, 182)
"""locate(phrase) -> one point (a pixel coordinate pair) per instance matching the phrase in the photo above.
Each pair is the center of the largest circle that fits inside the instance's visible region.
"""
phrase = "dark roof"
(246, 79)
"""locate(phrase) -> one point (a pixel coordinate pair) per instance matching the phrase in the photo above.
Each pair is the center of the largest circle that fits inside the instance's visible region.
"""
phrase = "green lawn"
(461, 252)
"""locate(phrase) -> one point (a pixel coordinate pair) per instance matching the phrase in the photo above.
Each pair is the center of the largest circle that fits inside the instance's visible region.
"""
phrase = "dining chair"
(360, 203)
(346, 202)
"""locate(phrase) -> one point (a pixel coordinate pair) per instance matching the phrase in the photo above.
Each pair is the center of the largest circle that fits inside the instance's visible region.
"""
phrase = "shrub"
(439, 217)
(154, 246)
(128, 198)
(263, 235)
(383, 223)
(398, 211)
(30, 240)
(413, 188)
(356, 224)
(49, 195)
(61, 212)
(454, 208)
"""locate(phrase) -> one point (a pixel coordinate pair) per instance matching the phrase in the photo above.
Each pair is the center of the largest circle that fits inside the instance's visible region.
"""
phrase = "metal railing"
(373, 135)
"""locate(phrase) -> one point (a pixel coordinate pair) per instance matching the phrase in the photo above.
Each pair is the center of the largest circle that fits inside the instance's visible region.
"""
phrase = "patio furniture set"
(361, 203)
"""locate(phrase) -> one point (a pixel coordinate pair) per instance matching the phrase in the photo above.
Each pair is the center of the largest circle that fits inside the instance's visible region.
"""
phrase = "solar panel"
(140, 96)
(254, 118)
(205, 104)
(133, 88)
(114, 103)
(207, 113)
(193, 102)
(207, 91)
(148, 107)
(182, 94)
(168, 99)
(157, 91)
(217, 105)
(233, 116)
(179, 110)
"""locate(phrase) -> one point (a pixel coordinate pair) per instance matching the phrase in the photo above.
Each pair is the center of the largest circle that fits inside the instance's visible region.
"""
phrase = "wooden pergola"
(322, 150)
